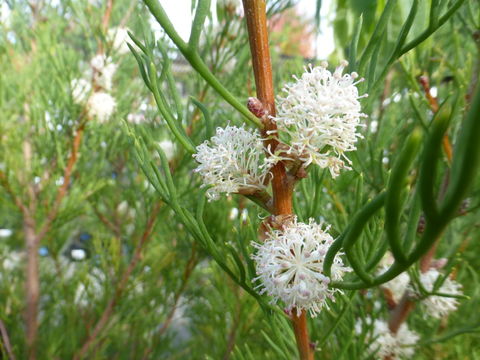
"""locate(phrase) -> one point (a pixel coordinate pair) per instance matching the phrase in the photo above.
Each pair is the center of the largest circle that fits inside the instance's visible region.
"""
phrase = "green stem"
(196, 62)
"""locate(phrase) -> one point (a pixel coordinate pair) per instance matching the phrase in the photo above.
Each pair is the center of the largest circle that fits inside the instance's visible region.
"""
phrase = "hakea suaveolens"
(289, 266)
(318, 116)
(233, 161)
(440, 306)
(385, 344)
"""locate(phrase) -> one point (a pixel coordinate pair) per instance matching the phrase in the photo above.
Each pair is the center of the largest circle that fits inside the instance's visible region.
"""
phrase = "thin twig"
(108, 311)
(72, 160)
(6, 185)
(233, 330)
(191, 263)
(6, 341)
(110, 225)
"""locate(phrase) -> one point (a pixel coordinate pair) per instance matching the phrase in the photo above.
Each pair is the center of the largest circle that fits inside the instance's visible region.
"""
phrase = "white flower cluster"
(290, 266)
(232, 161)
(318, 120)
(100, 104)
(103, 70)
(434, 305)
(439, 306)
(320, 114)
(388, 345)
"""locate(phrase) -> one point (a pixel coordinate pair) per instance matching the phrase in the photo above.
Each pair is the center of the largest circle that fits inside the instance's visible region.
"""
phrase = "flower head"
(320, 113)
(439, 306)
(390, 345)
(101, 105)
(290, 266)
(232, 161)
(104, 69)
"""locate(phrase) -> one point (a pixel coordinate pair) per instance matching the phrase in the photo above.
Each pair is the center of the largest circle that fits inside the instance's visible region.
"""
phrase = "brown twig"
(191, 263)
(232, 335)
(6, 341)
(107, 312)
(32, 285)
(282, 187)
(110, 225)
(72, 160)
(6, 185)
(107, 14)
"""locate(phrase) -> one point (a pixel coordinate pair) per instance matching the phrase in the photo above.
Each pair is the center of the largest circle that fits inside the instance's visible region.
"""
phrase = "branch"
(108, 311)
(32, 285)
(191, 263)
(282, 188)
(195, 60)
(6, 185)
(6, 341)
(77, 140)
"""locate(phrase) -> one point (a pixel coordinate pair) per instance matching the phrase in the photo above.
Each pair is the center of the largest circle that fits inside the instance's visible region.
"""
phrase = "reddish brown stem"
(282, 188)
(255, 14)
(72, 160)
(400, 313)
(32, 285)
(301, 335)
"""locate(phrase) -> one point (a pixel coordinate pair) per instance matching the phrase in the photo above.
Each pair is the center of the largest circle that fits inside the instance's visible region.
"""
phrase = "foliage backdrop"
(167, 275)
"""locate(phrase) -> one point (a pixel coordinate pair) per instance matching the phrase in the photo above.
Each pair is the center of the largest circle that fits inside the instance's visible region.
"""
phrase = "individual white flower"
(104, 69)
(320, 113)
(386, 344)
(80, 90)
(290, 266)
(439, 306)
(232, 161)
(101, 105)
(118, 37)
